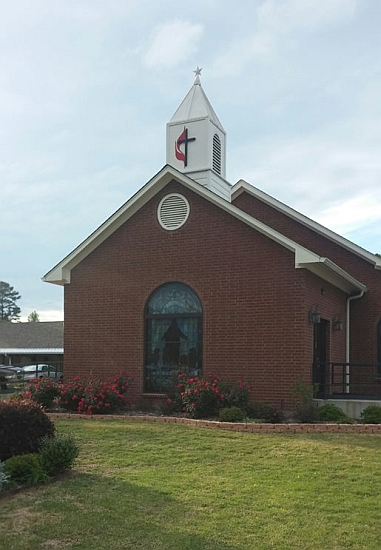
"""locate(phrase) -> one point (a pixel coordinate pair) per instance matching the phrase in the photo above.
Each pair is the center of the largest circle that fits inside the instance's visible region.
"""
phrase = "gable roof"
(304, 258)
(42, 337)
(243, 186)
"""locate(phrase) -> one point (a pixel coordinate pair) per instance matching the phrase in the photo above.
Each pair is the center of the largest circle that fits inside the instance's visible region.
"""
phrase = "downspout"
(347, 337)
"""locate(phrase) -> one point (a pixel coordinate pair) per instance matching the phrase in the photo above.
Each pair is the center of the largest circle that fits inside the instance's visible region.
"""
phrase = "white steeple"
(196, 141)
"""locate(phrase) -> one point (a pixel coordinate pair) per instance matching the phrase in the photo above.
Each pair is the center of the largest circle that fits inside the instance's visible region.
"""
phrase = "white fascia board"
(31, 351)
(243, 185)
(330, 272)
(60, 274)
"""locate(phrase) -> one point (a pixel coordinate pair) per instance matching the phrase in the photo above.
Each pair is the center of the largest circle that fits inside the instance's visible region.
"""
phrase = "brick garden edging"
(264, 428)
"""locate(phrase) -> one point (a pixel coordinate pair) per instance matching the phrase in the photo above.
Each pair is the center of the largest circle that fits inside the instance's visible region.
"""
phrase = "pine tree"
(33, 317)
(9, 310)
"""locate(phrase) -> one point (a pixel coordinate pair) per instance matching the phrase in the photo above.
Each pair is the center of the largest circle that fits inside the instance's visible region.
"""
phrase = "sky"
(87, 87)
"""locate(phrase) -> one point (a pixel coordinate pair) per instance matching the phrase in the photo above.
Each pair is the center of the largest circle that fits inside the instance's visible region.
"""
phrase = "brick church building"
(193, 274)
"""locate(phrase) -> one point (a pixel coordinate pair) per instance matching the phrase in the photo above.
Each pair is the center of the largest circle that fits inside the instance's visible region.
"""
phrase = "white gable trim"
(304, 258)
(242, 186)
(31, 351)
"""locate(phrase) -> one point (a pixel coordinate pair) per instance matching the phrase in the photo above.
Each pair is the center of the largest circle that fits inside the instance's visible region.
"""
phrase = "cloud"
(331, 175)
(171, 44)
(284, 16)
(277, 30)
(351, 214)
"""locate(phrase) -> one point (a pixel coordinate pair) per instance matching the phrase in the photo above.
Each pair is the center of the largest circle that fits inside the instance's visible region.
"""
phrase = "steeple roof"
(196, 105)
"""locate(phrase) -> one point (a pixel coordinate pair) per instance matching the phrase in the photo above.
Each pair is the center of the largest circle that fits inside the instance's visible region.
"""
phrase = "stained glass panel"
(173, 336)
(173, 298)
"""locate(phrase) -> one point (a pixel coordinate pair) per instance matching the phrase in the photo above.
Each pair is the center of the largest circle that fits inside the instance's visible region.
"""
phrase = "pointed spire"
(196, 141)
(196, 104)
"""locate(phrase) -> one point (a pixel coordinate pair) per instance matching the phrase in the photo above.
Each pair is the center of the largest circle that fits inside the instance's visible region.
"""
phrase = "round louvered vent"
(173, 211)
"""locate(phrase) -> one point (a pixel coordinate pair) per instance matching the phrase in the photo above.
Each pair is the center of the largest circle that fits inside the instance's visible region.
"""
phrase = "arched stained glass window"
(173, 338)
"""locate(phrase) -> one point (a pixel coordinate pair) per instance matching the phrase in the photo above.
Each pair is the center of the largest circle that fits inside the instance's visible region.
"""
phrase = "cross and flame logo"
(183, 139)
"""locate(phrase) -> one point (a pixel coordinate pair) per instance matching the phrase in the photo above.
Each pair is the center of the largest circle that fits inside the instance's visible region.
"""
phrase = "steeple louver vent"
(217, 154)
(173, 211)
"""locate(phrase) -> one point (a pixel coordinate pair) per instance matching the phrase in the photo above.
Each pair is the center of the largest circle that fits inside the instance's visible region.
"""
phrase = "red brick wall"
(255, 324)
(365, 312)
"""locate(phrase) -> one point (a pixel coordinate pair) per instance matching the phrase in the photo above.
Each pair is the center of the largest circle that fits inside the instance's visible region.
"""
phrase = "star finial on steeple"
(197, 73)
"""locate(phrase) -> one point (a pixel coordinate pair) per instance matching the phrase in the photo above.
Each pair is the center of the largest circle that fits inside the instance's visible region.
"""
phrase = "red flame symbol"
(181, 139)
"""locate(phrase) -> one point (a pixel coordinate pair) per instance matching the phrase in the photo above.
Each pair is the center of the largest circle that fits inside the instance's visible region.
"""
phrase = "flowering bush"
(43, 391)
(204, 397)
(71, 393)
(95, 397)
(86, 397)
(236, 394)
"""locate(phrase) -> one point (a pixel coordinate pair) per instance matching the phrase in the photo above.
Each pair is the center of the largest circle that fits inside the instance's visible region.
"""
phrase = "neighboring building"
(194, 275)
(31, 343)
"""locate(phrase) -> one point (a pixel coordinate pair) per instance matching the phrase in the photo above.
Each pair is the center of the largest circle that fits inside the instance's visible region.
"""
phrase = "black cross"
(185, 140)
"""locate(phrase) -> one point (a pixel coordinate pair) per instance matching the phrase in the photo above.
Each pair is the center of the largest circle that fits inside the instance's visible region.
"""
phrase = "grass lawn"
(151, 486)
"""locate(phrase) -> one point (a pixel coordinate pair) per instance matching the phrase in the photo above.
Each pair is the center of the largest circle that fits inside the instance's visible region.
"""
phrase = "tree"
(9, 310)
(33, 317)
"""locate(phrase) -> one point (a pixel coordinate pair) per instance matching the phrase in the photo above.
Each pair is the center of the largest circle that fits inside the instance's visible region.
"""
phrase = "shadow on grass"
(107, 513)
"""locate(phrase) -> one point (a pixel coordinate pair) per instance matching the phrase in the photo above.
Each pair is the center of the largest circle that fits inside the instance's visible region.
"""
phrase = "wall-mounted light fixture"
(314, 314)
(337, 323)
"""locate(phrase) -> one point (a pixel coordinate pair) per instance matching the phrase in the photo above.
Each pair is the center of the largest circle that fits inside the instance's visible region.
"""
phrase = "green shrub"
(371, 415)
(43, 391)
(25, 469)
(305, 408)
(232, 414)
(331, 413)
(4, 478)
(265, 412)
(22, 424)
(236, 394)
(58, 453)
